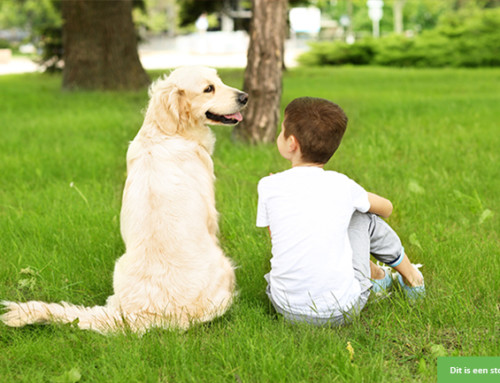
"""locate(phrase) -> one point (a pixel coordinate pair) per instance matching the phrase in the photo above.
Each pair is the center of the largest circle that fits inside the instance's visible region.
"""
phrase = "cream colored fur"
(174, 272)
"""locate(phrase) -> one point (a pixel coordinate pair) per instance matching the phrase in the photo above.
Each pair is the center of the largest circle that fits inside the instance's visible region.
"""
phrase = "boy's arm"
(379, 205)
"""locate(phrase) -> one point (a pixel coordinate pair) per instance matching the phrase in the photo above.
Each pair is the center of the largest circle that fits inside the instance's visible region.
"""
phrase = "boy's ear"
(293, 144)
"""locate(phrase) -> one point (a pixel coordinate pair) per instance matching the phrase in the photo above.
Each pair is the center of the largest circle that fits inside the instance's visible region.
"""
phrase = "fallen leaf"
(422, 366)
(351, 351)
(438, 350)
(414, 241)
(486, 214)
(71, 376)
(414, 187)
(28, 270)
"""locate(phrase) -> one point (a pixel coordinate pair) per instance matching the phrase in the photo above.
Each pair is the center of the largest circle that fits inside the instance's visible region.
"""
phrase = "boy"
(324, 226)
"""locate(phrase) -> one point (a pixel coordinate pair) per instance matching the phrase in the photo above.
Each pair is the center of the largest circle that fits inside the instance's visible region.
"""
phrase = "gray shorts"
(369, 234)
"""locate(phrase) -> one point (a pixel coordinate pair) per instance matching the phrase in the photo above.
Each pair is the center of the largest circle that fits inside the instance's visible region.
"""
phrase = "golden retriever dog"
(173, 273)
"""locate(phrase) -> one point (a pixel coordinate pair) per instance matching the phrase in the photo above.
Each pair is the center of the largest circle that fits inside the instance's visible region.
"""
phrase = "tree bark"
(398, 6)
(263, 74)
(100, 46)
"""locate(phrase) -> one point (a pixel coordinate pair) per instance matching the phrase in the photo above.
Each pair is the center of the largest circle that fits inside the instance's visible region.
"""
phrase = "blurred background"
(172, 33)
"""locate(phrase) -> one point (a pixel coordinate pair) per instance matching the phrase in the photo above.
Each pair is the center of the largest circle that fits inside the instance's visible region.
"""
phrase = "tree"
(191, 9)
(100, 46)
(32, 16)
(397, 8)
(263, 74)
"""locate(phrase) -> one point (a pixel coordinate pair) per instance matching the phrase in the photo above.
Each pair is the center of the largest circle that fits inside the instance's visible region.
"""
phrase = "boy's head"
(318, 126)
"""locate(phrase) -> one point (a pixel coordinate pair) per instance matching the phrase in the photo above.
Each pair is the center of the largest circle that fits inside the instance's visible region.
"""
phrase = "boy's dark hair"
(317, 124)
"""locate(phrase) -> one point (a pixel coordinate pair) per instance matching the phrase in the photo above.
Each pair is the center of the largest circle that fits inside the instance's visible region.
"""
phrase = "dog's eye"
(209, 89)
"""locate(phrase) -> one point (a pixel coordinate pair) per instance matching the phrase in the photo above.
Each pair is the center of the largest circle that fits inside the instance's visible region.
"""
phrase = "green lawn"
(426, 139)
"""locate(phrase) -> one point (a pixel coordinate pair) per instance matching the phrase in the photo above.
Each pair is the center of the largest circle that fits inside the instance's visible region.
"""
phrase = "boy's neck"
(296, 159)
(307, 164)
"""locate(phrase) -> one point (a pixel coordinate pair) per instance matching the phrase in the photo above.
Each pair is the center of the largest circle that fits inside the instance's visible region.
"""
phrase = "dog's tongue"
(234, 116)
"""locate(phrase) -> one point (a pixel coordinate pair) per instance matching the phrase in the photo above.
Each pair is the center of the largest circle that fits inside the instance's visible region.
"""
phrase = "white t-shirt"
(308, 210)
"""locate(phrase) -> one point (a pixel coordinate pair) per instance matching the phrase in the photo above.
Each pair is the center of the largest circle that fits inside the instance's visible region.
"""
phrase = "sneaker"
(412, 293)
(384, 284)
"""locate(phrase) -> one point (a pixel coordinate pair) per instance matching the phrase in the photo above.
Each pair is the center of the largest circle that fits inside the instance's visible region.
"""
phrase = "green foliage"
(338, 53)
(461, 39)
(4, 44)
(34, 15)
(427, 139)
(155, 15)
(418, 15)
(52, 49)
(190, 10)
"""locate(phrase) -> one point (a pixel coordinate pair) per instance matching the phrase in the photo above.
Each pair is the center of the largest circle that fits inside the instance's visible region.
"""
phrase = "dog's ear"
(170, 110)
(180, 108)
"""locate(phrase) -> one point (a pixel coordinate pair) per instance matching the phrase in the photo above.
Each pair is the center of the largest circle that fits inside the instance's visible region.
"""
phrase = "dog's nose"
(243, 98)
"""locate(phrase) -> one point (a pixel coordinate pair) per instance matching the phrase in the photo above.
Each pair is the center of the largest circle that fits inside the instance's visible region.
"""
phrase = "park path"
(173, 53)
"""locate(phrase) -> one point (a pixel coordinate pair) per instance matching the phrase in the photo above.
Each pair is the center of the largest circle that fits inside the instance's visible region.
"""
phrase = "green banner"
(468, 369)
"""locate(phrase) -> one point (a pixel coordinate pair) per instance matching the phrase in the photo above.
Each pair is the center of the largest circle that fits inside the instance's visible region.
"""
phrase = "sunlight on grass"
(426, 139)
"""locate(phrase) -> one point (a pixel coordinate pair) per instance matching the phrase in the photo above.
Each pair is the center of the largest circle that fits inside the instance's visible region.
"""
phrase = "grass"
(426, 139)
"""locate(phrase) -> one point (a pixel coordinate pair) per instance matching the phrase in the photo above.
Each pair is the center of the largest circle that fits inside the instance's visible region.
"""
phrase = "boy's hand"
(379, 205)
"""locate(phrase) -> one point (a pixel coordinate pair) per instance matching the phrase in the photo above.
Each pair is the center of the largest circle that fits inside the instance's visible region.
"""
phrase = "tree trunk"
(263, 74)
(398, 6)
(100, 46)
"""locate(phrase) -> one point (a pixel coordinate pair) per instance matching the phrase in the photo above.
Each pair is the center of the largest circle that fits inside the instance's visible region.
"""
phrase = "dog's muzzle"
(230, 119)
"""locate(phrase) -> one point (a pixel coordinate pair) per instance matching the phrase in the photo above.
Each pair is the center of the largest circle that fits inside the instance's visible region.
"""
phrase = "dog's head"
(191, 96)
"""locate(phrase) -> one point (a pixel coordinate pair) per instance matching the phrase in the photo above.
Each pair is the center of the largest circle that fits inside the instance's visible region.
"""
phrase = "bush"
(460, 40)
(4, 44)
(338, 53)
(395, 50)
(52, 49)
(429, 50)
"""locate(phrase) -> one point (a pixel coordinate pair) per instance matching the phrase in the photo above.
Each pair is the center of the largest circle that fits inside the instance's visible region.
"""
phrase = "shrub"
(4, 44)
(395, 50)
(338, 53)
(460, 40)
(429, 50)
(52, 49)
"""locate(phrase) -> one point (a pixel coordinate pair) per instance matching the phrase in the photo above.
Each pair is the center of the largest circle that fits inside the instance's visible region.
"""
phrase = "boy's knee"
(359, 221)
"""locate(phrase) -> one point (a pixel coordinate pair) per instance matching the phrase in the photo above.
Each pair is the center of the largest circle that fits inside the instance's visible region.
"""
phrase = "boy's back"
(308, 211)
(321, 271)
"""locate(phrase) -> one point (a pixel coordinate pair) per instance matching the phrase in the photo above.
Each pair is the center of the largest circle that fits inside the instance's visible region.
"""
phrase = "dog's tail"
(98, 318)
